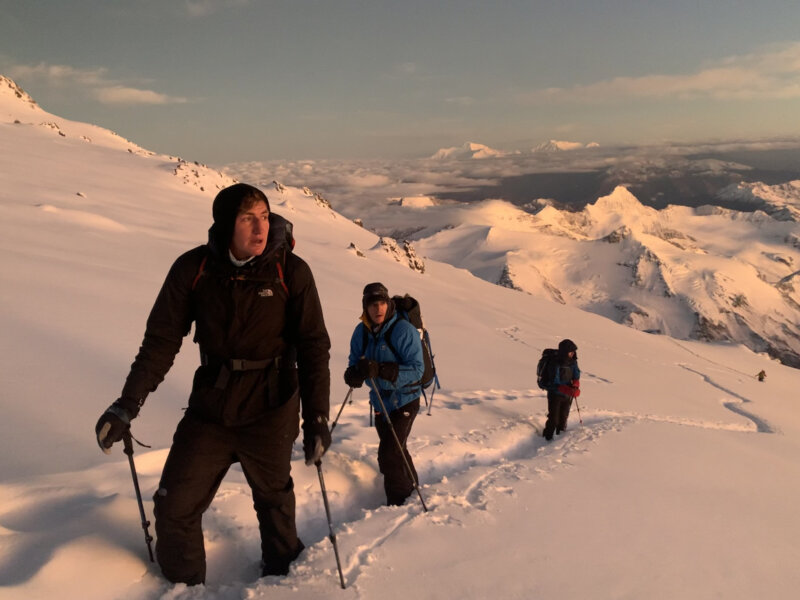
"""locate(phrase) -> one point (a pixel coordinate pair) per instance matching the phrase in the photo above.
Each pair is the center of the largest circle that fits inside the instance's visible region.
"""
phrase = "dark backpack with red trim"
(545, 368)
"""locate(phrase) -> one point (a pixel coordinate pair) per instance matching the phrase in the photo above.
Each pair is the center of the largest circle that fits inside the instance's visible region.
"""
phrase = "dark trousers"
(397, 483)
(200, 456)
(558, 406)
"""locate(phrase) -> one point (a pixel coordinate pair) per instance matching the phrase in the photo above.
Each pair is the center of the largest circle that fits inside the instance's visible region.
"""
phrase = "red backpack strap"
(199, 272)
(280, 278)
(280, 273)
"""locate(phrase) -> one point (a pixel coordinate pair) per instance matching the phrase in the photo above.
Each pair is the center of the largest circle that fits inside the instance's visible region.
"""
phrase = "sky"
(677, 477)
(223, 81)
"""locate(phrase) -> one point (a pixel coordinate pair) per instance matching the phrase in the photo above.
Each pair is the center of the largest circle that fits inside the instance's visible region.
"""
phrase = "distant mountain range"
(696, 242)
(473, 150)
(469, 150)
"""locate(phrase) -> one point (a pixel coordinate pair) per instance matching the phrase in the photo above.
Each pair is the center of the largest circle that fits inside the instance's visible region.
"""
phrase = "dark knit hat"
(227, 205)
(565, 346)
(374, 292)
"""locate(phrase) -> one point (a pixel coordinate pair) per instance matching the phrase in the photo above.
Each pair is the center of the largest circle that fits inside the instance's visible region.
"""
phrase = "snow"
(678, 479)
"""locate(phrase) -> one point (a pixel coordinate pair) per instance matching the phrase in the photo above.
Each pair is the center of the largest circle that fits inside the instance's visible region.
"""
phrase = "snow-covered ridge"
(9, 88)
(781, 202)
(688, 273)
(18, 110)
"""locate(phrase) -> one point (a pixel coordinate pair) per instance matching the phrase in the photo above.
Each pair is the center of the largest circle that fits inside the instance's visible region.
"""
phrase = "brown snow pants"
(558, 406)
(200, 455)
(397, 482)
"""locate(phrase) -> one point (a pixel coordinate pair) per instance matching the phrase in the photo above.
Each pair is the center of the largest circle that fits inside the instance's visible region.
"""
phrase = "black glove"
(388, 371)
(367, 369)
(316, 439)
(114, 422)
(352, 378)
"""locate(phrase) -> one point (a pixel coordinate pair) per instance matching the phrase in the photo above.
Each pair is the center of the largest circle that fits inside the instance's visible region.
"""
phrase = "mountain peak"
(469, 150)
(561, 146)
(13, 99)
(619, 199)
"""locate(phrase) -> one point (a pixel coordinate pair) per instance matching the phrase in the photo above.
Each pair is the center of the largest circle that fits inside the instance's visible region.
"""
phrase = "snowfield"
(679, 477)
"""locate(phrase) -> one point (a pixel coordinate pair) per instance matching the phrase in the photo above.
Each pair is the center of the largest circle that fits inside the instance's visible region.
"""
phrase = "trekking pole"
(346, 398)
(578, 406)
(436, 384)
(332, 535)
(370, 414)
(128, 449)
(399, 445)
(433, 392)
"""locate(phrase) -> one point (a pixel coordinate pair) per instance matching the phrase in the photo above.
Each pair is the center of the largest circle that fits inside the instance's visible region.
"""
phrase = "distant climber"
(761, 375)
(563, 384)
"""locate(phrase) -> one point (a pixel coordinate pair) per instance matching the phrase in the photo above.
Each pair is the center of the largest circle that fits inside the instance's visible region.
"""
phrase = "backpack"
(545, 369)
(408, 308)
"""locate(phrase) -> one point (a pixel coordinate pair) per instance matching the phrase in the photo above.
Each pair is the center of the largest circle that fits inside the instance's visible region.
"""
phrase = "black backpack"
(545, 369)
(408, 308)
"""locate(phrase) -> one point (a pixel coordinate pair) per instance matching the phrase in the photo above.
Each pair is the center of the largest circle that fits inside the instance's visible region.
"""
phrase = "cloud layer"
(94, 82)
(771, 73)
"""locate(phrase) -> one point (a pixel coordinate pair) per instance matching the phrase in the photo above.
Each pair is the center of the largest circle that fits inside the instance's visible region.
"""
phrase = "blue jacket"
(406, 341)
(564, 374)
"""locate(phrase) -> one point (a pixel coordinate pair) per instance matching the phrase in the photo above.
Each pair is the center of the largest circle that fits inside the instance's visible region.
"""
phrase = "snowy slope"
(680, 482)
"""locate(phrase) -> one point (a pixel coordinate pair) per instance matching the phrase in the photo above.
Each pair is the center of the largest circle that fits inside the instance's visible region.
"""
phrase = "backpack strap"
(364, 339)
(388, 338)
(199, 272)
(280, 273)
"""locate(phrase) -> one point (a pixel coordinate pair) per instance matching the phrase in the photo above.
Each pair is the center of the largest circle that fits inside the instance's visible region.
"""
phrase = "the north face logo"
(265, 293)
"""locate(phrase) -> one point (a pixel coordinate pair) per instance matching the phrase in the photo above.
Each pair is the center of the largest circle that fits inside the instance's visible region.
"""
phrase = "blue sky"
(220, 81)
